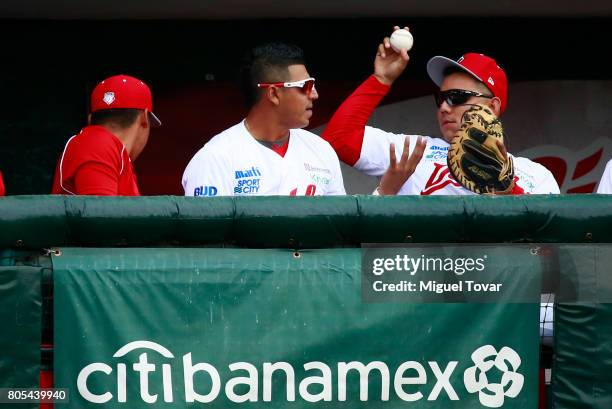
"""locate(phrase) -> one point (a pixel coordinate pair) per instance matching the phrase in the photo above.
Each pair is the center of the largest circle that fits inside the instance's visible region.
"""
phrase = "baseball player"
(98, 160)
(2, 190)
(605, 184)
(422, 168)
(267, 153)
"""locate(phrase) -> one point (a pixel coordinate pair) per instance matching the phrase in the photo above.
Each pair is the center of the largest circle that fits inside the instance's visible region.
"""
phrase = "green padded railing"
(33, 222)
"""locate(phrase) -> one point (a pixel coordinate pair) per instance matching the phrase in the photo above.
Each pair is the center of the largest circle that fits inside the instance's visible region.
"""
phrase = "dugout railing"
(32, 228)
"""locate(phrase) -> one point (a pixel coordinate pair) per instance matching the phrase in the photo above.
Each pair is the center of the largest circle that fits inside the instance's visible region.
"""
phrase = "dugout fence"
(265, 295)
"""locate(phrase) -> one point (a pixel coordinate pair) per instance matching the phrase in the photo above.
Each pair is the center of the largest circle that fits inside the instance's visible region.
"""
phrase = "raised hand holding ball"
(401, 39)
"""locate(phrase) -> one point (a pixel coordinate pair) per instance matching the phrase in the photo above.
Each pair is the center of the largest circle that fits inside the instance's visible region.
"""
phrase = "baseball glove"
(474, 159)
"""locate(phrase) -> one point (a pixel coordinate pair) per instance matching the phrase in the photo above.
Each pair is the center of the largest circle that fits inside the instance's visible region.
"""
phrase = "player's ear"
(143, 118)
(273, 95)
(495, 104)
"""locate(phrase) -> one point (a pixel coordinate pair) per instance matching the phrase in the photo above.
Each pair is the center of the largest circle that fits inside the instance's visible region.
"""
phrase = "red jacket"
(95, 162)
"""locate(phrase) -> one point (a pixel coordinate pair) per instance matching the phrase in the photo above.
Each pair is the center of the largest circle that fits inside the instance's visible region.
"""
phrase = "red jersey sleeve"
(345, 130)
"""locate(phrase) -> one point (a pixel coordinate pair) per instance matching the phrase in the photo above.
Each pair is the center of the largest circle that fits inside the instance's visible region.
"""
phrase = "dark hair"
(123, 118)
(267, 63)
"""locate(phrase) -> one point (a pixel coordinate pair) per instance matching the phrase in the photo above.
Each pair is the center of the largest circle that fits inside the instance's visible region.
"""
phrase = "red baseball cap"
(479, 66)
(123, 92)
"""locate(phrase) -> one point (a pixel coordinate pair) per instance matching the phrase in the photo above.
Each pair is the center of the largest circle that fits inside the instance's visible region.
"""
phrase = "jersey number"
(310, 191)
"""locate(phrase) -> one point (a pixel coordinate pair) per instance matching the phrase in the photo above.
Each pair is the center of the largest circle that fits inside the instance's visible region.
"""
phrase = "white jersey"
(605, 184)
(233, 163)
(431, 176)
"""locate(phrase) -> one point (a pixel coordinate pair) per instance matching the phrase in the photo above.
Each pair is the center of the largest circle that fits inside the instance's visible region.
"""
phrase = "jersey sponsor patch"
(437, 153)
(438, 148)
(247, 181)
(320, 176)
(436, 156)
(319, 180)
(248, 186)
(205, 191)
(311, 168)
(248, 173)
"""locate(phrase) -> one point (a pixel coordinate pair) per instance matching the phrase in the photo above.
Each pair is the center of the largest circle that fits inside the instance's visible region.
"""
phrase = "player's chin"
(306, 119)
(300, 124)
(448, 138)
(448, 133)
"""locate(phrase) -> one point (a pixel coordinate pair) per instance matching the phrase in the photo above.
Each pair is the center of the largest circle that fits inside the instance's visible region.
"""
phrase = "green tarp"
(581, 375)
(277, 329)
(20, 323)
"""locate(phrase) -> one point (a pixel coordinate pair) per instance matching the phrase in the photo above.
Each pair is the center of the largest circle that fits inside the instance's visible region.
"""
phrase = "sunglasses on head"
(456, 96)
(306, 85)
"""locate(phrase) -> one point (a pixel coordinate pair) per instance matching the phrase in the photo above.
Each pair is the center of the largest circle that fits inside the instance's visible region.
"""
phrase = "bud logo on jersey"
(492, 394)
(246, 181)
(205, 191)
(109, 97)
(407, 373)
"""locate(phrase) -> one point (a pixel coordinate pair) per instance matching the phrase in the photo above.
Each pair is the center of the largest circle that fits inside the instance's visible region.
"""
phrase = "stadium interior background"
(50, 66)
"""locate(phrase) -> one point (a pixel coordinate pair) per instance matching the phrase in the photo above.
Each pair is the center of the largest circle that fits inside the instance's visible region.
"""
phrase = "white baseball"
(401, 39)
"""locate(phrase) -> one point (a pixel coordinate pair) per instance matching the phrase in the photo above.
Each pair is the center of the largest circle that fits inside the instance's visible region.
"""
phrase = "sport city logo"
(492, 394)
(412, 373)
(247, 181)
(437, 153)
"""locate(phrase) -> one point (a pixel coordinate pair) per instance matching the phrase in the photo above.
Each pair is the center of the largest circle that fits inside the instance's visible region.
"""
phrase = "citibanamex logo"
(486, 359)
(159, 375)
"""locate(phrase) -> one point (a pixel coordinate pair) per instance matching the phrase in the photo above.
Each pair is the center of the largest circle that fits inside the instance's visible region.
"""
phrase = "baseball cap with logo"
(481, 67)
(123, 92)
